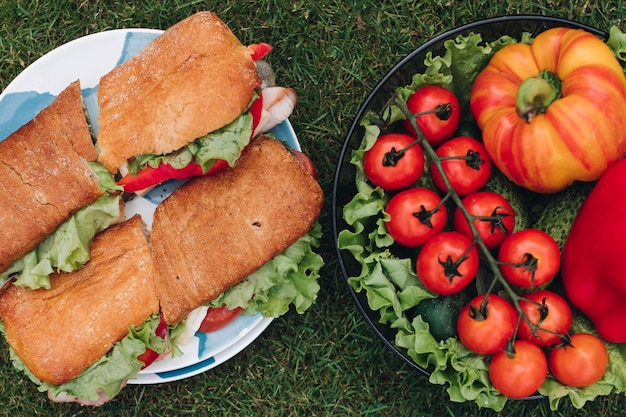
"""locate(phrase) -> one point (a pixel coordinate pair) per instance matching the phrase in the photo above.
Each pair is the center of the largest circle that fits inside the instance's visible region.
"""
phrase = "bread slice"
(44, 175)
(214, 231)
(193, 79)
(59, 332)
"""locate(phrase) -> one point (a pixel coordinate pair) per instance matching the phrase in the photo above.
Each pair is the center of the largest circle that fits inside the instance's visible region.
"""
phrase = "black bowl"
(400, 75)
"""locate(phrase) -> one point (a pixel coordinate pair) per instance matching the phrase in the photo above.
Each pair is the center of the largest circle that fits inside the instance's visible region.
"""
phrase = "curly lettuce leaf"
(105, 178)
(67, 249)
(472, 54)
(290, 278)
(110, 372)
(225, 144)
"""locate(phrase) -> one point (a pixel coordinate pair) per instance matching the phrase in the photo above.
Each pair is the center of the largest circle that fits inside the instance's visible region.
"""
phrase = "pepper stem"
(535, 94)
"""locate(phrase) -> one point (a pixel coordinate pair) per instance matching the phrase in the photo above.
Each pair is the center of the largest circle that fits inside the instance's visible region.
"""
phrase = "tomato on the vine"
(447, 263)
(494, 217)
(550, 312)
(580, 363)
(529, 258)
(438, 113)
(520, 373)
(394, 162)
(466, 164)
(486, 327)
(415, 215)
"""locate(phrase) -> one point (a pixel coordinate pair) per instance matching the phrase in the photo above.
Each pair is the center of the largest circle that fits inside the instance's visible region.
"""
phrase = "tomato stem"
(528, 263)
(424, 215)
(472, 159)
(496, 219)
(443, 111)
(478, 241)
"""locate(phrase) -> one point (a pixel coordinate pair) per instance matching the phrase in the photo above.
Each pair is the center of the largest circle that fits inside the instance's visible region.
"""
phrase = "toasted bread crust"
(214, 231)
(59, 332)
(44, 175)
(193, 79)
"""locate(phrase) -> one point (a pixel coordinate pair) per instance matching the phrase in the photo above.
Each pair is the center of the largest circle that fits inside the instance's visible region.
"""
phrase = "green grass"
(327, 361)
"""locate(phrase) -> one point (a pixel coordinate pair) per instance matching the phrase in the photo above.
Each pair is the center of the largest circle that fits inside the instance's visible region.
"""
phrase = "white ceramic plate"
(89, 58)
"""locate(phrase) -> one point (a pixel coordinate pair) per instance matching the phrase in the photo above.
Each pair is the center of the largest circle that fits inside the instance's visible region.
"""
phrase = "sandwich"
(185, 105)
(54, 195)
(95, 328)
(81, 339)
(239, 225)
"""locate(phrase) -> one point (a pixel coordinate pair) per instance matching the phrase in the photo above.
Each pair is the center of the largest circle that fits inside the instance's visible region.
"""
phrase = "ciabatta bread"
(193, 79)
(214, 231)
(59, 332)
(44, 175)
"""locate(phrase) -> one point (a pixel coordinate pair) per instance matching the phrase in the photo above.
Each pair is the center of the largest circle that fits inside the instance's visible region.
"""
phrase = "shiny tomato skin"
(434, 129)
(540, 246)
(404, 173)
(581, 364)
(465, 175)
(218, 317)
(438, 249)
(557, 320)
(405, 225)
(522, 374)
(486, 203)
(490, 332)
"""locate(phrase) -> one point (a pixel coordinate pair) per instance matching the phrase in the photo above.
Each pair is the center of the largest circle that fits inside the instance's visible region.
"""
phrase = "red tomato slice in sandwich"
(218, 317)
(150, 176)
(259, 50)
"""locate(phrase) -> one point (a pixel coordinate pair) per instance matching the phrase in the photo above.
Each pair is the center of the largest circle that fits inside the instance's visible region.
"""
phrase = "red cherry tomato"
(447, 263)
(415, 215)
(436, 127)
(465, 163)
(495, 218)
(529, 258)
(581, 364)
(550, 312)
(218, 317)
(485, 329)
(521, 374)
(391, 164)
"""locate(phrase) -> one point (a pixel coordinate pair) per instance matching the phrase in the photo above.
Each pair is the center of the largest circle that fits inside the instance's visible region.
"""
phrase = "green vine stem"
(485, 252)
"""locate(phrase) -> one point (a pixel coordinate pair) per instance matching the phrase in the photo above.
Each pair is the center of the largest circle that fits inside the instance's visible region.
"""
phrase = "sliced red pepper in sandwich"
(148, 176)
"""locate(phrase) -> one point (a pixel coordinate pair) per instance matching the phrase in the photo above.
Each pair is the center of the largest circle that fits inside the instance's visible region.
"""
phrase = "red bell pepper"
(593, 271)
(149, 176)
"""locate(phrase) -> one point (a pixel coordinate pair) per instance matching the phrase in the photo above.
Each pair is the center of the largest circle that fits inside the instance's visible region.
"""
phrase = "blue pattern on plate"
(20, 107)
(187, 369)
(238, 327)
